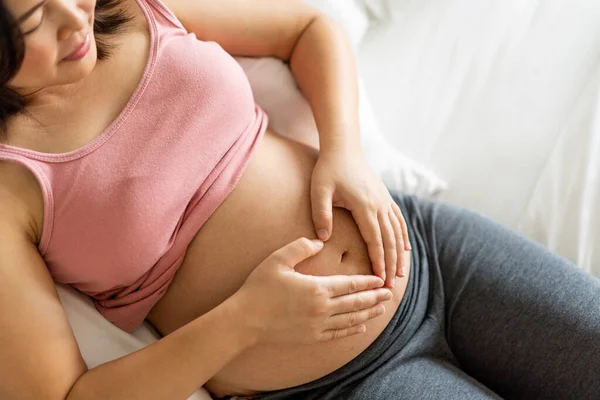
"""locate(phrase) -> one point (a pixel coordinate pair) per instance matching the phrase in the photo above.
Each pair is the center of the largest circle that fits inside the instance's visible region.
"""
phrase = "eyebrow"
(30, 12)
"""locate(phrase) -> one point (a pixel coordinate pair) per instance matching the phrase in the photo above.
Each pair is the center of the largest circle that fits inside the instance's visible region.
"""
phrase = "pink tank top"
(120, 212)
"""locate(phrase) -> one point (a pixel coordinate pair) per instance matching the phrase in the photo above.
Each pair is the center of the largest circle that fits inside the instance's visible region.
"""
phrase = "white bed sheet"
(500, 99)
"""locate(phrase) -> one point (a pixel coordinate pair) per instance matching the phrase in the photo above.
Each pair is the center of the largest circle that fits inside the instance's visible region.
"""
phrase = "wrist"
(236, 308)
(342, 146)
(348, 150)
(336, 140)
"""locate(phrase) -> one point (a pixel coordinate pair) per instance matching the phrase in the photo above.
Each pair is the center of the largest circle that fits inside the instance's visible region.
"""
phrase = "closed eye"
(36, 13)
(32, 30)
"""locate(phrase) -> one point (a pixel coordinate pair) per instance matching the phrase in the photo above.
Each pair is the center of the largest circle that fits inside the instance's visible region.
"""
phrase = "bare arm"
(173, 367)
(39, 356)
(319, 53)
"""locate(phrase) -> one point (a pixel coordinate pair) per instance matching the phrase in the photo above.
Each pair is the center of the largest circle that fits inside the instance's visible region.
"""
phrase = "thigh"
(519, 318)
(420, 378)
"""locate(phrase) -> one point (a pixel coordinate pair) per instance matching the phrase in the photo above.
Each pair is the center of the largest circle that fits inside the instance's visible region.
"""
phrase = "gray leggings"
(487, 314)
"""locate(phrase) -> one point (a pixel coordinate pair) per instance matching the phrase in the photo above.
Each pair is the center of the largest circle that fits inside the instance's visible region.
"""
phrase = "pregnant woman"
(136, 167)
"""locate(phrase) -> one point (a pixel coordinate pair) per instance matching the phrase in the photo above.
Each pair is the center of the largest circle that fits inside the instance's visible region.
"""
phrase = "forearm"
(175, 366)
(324, 67)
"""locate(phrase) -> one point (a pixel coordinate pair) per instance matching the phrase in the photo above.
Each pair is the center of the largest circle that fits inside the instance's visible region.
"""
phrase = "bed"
(488, 104)
(500, 100)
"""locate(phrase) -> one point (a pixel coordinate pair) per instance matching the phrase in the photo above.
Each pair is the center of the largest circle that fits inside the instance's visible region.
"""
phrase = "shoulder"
(246, 27)
(21, 201)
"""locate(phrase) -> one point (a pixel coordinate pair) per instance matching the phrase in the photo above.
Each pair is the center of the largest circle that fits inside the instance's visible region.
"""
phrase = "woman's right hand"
(284, 306)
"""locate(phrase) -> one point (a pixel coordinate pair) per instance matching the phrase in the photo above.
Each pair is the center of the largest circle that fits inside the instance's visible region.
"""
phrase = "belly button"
(343, 254)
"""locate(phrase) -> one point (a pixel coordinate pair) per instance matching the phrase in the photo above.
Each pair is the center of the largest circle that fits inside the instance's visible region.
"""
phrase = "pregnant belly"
(269, 208)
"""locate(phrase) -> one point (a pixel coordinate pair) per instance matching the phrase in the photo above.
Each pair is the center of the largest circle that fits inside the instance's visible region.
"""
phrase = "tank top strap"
(42, 178)
(167, 15)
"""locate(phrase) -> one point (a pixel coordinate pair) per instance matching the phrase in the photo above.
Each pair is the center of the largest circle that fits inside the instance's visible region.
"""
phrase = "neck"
(42, 98)
(46, 109)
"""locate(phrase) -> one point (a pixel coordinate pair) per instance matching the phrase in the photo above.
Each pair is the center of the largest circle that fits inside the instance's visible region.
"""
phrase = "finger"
(340, 285)
(402, 221)
(399, 242)
(371, 233)
(334, 334)
(348, 320)
(297, 251)
(322, 214)
(359, 301)
(389, 247)
(398, 213)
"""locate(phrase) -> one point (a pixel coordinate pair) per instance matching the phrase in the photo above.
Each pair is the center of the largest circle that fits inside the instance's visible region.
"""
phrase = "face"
(60, 47)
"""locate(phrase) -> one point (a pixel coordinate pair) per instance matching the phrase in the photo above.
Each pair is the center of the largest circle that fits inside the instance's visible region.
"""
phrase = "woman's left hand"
(342, 178)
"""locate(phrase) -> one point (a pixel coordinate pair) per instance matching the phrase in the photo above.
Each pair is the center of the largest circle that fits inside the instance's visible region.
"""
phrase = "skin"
(51, 34)
(60, 25)
(364, 228)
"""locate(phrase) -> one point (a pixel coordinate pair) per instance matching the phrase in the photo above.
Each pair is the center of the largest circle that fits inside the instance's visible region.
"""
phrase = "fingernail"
(393, 281)
(380, 309)
(317, 243)
(322, 234)
(409, 247)
(387, 296)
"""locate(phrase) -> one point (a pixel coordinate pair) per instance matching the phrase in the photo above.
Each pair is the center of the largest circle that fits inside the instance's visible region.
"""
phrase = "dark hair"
(110, 19)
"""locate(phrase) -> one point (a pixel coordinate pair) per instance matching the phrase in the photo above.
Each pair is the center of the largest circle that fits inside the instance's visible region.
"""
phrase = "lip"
(81, 50)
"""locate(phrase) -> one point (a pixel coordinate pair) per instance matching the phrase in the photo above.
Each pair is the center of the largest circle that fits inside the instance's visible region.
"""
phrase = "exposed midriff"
(269, 207)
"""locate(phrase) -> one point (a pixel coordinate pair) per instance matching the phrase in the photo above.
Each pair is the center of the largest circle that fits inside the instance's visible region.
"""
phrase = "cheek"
(39, 57)
(38, 65)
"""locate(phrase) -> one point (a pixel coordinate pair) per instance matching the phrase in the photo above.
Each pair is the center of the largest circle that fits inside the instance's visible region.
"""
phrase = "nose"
(73, 18)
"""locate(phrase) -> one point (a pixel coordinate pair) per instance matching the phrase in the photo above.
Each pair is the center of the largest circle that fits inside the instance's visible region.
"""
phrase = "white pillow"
(377, 9)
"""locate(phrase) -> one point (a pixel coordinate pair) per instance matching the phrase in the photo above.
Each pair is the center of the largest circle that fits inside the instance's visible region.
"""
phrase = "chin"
(75, 72)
